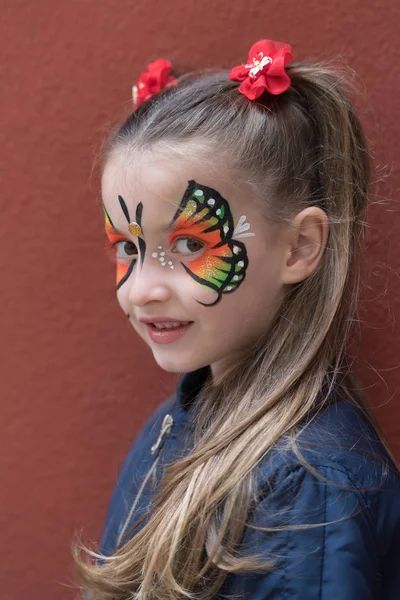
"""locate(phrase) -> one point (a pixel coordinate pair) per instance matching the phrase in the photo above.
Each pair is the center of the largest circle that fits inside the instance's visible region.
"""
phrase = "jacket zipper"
(156, 448)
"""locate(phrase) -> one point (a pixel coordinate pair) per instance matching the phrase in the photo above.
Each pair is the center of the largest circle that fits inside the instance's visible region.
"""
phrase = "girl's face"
(197, 275)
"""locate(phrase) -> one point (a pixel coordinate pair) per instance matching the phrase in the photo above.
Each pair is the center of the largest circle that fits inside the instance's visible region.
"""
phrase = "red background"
(76, 383)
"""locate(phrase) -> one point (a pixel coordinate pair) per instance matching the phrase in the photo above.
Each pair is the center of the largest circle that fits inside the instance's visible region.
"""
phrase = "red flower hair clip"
(151, 82)
(265, 69)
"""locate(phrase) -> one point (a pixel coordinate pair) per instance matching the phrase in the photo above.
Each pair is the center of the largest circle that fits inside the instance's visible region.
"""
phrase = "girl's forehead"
(160, 182)
(143, 178)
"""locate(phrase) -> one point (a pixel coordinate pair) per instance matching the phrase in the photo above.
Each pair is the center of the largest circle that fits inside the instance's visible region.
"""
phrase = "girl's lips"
(162, 320)
(166, 336)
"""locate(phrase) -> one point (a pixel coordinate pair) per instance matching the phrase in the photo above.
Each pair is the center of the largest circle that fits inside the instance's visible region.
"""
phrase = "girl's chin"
(176, 364)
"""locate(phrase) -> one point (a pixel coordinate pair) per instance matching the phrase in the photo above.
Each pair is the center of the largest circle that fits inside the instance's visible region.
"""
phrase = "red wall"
(76, 384)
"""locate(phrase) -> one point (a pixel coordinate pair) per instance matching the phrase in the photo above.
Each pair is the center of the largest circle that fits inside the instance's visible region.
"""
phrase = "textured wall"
(75, 381)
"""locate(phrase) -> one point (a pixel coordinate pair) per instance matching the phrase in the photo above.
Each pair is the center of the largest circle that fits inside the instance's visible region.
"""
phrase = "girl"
(233, 204)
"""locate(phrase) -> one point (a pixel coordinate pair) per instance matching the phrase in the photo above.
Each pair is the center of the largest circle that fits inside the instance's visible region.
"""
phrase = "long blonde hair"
(309, 143)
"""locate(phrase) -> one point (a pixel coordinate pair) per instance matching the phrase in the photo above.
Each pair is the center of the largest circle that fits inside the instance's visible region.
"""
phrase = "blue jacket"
(355, 558)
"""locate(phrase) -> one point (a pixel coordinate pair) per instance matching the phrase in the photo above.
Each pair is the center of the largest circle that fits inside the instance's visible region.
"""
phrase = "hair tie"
(265, 69)
(153, 81)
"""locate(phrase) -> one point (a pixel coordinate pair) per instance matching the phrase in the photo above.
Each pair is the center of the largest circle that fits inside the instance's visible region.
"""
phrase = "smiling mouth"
(173, 325)
(167, 333)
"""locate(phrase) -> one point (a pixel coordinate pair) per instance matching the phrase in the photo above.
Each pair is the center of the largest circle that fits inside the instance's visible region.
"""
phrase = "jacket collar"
(190, 385)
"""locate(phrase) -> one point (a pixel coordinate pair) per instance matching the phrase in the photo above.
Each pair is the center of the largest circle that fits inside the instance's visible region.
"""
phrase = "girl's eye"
(187, 245)
(125, 249)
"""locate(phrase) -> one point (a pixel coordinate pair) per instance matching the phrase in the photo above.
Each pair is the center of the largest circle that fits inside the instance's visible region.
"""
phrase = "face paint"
(204, 214)
(135, 227)
(115, 238)
(161, 257)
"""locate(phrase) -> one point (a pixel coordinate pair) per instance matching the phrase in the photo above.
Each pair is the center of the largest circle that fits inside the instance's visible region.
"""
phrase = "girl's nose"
(148, 283)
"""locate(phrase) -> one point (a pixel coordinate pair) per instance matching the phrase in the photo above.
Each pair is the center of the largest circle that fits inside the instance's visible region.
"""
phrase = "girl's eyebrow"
(162, 229)
(115, 230)
(167, 228)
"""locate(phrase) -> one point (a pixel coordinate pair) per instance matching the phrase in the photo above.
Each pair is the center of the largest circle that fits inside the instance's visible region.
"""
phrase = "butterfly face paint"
(125, 250)
(161, 257)
(204, 214)
(135, 227)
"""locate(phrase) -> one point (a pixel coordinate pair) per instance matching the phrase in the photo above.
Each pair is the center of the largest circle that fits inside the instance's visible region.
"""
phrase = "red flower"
(152, 81)
(265, 69)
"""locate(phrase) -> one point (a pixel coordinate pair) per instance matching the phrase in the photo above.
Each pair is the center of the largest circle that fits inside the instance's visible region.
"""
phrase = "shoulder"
(339, 437)
(340, 472)
(328, 514)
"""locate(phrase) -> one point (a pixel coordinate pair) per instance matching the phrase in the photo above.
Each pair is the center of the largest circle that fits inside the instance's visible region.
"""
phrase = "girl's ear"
(307, 239)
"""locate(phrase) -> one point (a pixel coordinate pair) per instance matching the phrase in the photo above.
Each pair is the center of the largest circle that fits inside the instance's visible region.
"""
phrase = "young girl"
(233, 203)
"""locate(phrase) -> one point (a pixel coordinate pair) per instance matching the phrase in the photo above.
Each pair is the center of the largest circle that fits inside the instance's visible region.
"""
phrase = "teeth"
(170, 325)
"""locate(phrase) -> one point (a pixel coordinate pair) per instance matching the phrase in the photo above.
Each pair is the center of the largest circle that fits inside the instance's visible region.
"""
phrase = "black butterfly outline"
(226, 229)
(142, 243)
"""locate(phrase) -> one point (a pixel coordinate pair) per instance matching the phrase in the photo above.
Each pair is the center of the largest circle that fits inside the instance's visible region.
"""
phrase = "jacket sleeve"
(336, 561)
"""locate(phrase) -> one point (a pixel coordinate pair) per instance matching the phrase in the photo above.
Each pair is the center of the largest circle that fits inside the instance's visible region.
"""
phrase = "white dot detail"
(161, 259)
(218, 211)
(235, 278)
(236, 250)
(155, 254)
(170, 262)
(241, 264)
(198, 193)
(162, 253)
(159, 247)
(211, 202)
(226, 229)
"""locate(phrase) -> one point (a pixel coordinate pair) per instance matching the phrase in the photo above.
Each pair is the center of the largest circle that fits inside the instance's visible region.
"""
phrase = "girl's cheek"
(192, 291)
(121, 272)
(184, 287)
(122, 297)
